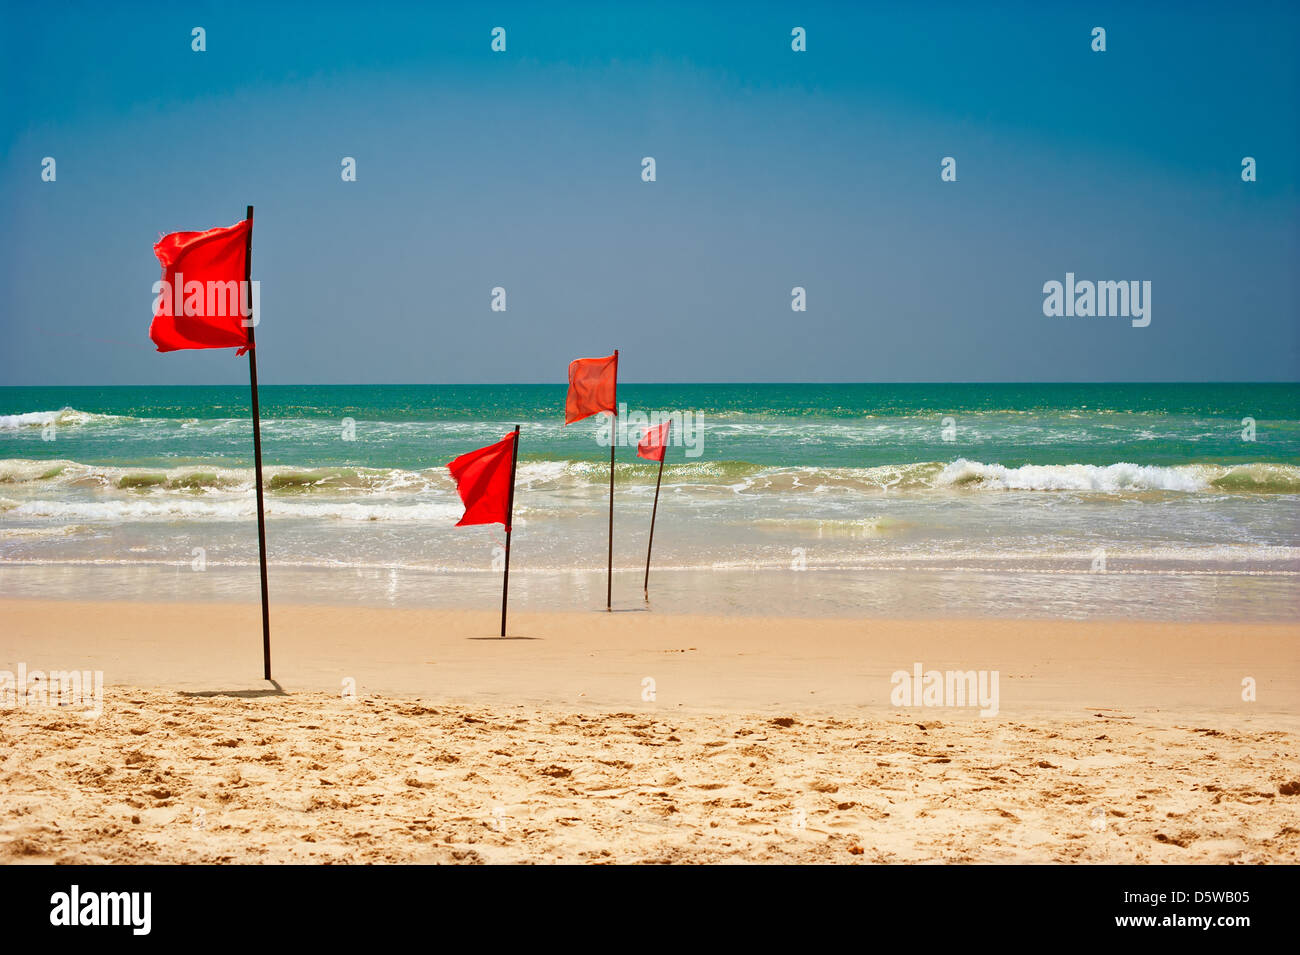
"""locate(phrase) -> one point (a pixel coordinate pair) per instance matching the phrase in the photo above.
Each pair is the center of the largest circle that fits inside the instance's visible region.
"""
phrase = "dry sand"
(766, 740)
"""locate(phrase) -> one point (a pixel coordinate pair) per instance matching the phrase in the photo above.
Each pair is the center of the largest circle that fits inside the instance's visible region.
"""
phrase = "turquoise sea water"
(844, 425)
(1051, 499)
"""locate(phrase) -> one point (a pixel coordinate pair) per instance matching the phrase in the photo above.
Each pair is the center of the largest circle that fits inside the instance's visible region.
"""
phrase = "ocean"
(1154, 501)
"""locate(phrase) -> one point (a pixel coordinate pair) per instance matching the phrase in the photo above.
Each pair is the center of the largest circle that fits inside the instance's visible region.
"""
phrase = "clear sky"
(775, 169)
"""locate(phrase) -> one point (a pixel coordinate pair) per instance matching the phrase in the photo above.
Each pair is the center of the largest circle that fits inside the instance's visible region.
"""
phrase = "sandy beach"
(643, 737)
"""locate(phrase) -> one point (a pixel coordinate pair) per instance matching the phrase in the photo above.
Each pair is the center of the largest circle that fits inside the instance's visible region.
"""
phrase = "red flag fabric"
(206, 310)
(593, 384)
(654, 442)
(483, 482)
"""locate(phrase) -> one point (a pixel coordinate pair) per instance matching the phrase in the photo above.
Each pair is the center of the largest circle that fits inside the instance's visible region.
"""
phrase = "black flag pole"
(613, 443)
(655, 510)
(510, 520)
(257, 446)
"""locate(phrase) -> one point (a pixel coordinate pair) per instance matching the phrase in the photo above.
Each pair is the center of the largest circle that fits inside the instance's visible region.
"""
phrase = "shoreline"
(1116, 596)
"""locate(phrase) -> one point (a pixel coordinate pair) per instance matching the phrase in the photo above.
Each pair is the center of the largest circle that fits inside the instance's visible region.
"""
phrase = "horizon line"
(563, 384)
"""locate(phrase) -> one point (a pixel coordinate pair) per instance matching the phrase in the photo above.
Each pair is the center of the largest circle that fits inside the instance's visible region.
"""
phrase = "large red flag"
(654, 442)
(207, 309)
(483, 482)
(593, 384)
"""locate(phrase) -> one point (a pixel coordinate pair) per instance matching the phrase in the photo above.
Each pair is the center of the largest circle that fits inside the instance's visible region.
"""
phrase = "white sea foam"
(697, 480)
(1112, 478)
(178, 508)
(64, 417)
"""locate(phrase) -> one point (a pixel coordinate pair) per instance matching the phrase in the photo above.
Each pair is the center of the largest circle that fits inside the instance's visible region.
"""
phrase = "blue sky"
(775, 169)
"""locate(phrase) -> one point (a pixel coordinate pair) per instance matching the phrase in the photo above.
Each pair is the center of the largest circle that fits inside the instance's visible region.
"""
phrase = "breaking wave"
(705, 478)
(65, 417)
(1120, 478)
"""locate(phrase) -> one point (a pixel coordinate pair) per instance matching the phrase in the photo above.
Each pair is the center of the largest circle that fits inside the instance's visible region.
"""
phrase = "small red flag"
(593, 383)
(654, 442)
(483, 482)
(207, 309)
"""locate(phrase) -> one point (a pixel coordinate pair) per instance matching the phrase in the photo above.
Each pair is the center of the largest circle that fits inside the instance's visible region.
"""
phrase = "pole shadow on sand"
(243, 694)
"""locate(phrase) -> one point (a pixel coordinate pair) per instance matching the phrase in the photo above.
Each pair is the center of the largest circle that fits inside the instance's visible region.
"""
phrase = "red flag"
(654, 442)
(207, 310)
(593, 383)
(483, 482)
